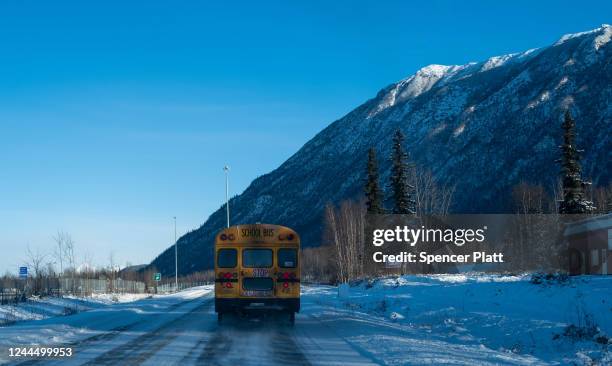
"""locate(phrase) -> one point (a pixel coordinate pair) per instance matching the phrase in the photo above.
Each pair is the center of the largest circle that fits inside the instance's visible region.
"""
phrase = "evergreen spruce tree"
(574, 201)
(372, 187)
(403, 196)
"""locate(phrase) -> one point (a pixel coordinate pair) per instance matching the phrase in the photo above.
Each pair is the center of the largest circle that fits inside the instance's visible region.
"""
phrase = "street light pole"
(226, 169)
(175, 258)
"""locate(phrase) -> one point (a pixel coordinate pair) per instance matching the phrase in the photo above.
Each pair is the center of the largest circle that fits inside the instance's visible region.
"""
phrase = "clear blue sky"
(116, 116)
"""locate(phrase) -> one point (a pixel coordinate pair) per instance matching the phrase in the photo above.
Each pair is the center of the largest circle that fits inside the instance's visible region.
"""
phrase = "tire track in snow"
(102, 337)
(106, 336)
(287, 351)
(145, 346)
(216, 346)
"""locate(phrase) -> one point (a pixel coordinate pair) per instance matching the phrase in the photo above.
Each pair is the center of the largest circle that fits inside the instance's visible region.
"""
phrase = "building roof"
(600, 222)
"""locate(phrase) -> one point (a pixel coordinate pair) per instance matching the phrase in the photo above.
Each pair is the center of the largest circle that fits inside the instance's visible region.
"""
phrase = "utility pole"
(175, 258)
(226, 170)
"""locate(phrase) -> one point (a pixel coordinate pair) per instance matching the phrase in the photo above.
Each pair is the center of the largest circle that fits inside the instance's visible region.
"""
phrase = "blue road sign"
(23, 272)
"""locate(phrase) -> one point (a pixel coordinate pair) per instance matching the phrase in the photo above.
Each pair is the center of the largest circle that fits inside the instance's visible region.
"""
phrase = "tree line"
(413, 190)
(61, 272)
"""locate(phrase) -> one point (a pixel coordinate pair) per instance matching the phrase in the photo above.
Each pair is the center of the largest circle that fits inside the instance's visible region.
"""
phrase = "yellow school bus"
(257, 268)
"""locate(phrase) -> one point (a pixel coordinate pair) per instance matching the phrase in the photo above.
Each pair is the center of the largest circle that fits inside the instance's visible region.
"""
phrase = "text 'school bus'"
(257, 268)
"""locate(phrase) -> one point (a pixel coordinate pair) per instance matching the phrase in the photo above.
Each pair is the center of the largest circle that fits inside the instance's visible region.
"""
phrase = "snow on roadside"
(115, 298)
(47, 307)
(483, 318)
(102, 318)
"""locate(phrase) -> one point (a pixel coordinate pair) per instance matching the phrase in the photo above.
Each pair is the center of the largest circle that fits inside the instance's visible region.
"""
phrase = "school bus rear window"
(287, 258)
(226, 258)
(257, 258)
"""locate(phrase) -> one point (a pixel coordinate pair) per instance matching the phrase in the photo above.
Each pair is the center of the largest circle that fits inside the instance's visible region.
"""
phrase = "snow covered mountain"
(483, 126)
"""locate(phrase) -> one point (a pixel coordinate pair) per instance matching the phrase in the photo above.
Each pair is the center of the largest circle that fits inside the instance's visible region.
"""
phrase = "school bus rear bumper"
(231, 305)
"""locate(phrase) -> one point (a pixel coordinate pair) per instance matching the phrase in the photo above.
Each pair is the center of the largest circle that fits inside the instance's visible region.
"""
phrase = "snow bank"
(43, 308)
(495, 319)
(36, 309)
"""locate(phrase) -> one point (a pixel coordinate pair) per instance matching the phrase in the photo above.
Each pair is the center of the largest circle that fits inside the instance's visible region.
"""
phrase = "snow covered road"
(183, 330)
(406, 321)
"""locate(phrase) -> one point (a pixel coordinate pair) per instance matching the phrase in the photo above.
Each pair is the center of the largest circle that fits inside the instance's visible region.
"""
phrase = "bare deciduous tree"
(345, 226)
(111, 268)
(535, 239)
(64, 254)
(62, 240)
(319, 264)
(531, 199)
(36, 261)
(601, 198)
(70, 260)
(431, 197)
(557, 193)
(69, 250)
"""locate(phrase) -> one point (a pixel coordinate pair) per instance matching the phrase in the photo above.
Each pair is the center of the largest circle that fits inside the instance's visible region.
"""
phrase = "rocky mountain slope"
(483, 126)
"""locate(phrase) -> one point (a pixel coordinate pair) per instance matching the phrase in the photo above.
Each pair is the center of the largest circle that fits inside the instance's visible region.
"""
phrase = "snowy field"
(488, 319)
(411, 320)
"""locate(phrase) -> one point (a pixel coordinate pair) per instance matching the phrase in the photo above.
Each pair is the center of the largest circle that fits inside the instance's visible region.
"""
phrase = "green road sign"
(157, 277)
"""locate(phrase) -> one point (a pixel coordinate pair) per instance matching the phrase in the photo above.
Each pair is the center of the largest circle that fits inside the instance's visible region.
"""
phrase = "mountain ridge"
(497, 119)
